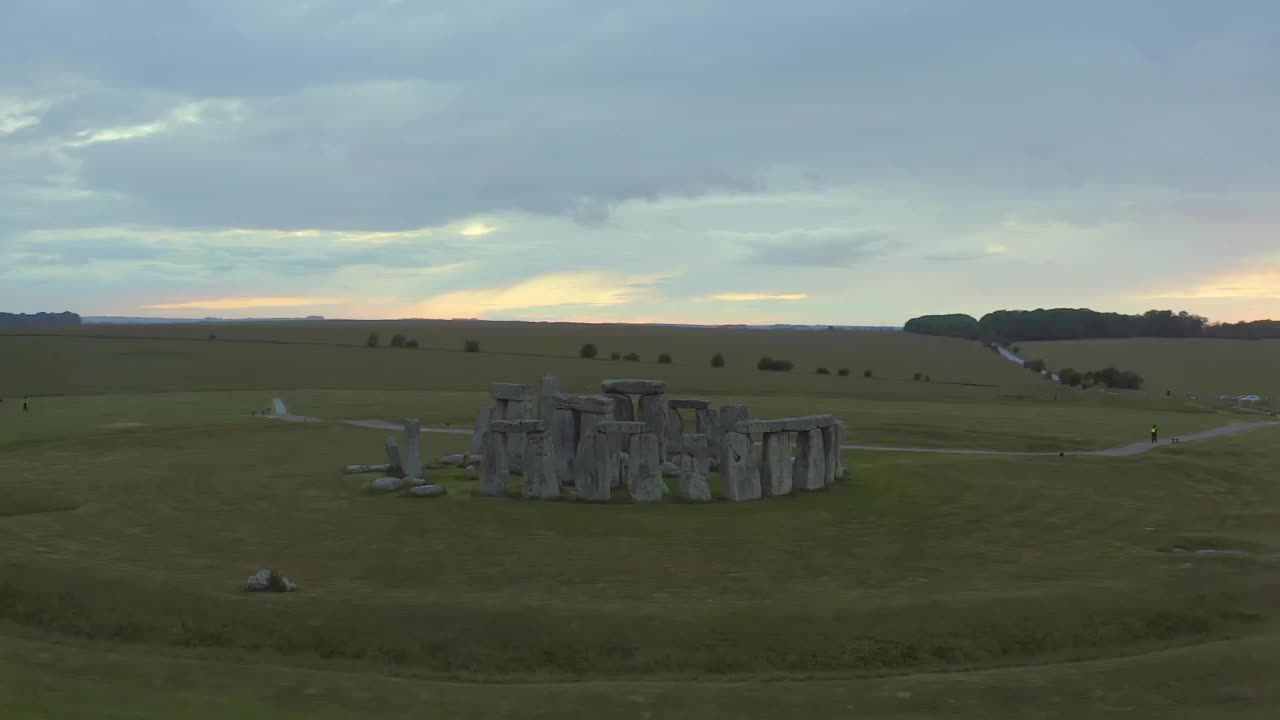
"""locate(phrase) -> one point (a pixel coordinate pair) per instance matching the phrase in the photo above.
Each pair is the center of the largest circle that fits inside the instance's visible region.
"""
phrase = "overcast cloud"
(828, 161)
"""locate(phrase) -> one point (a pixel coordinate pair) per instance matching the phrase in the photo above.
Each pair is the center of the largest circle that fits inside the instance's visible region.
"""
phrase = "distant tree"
(411, 343)
(631, 357)
(867, 373)
(961, 326)
(665, 358)
(918, 377)
(616, 356)
(397, 340)
(587, 351)
(1034, 366)
(823, 371)
(472, 346)
(772, 365)
(1070, 377)
(717, 360)
(928, 378)
(1016, 349)
(843, 372)
(373, 340)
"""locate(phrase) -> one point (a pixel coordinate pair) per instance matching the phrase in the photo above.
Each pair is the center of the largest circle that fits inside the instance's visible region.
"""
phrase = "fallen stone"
(511, 392)
(471, 472)
(517, 426)
(644, 472)
(387, 485)
(776, 465)
(599, 404)
(268, 581)
(456, 460)
(634, 387)
(688, 403)
(620, 426)
(428, 491)
(361, 469)
(414, 482)
(739, 475)
(623, 408)
(810, 469)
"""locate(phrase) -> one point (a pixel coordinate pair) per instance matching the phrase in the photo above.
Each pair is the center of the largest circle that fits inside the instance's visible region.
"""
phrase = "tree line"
(42, 319)
(1006, 326)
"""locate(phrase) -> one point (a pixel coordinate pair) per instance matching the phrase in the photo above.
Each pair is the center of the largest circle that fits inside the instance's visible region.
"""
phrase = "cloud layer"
(836, 162)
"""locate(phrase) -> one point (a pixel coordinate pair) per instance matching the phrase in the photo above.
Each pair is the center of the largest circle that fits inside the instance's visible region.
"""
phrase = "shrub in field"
(1034, 365)
(631, 357)
(1070, 377)
(616, 356)
(918, 377)
(411, 343)
(397, 340)
(471, 346)
(717, 360)
(823, 371)
(772, 365)
(373, 340)
(867, 373)
(843, 372)
(665, 358)
(587, 351)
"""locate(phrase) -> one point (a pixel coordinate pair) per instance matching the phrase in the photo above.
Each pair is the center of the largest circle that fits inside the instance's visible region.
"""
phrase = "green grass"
(929, 585)
(1207, 368)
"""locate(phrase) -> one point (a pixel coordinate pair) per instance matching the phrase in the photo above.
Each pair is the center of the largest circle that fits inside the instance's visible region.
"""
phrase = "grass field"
(138, 494)
(1207, 368)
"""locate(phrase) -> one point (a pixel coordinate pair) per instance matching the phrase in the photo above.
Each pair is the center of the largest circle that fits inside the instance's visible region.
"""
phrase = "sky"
(853, 162)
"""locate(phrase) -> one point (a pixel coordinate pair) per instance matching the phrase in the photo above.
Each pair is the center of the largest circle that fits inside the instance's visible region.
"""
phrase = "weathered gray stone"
(393, 456)
(670, 468)
(831, 461)
(739, 475)
(775, 465)
(623, 407)
(695, 469)
(427, 491)
(810, 471)
(471, 472)
(510, 391)
(600, 404)
(842, 472)
(416, 482)
(411, 448)
(620, 426)
(593, 468)
(644, 472)
(518, 426)
(267, 581)
(514, 411)
(587, 423)
(278, 407)
(548, 388)
(621, 459)
(362, 469)
(726, 418)
(689, 403)
(800, 424)
(653, 413)
(484, 416)
(455, 460)
(540, 481)
(387, 485)
(495, 471)
(675, 429)
(563, 436)
(757, 427)
(634, 387)
(708, 420)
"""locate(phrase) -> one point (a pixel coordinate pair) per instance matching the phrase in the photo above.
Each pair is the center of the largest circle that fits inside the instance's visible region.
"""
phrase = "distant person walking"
(1155, 433)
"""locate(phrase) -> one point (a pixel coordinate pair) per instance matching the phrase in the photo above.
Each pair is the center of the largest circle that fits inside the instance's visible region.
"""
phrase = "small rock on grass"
(386, 485)
(269, 581)
(428, 491)
(471, 472)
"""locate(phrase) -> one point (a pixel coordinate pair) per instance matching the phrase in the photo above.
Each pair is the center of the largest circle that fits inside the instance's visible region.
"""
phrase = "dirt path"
(1137, 448)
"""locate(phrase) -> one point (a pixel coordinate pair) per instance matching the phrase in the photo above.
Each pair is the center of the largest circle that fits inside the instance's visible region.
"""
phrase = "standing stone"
(593, 468)
(548, 387)
(623, 408)
(810, 461)
(393, 457)
(483, 417)
(726, 418)
(516, 410)
(695, 469)
(675, 430)
(564, 442)
(540, 482)
(739, 475)
(708, 420)
(495, 473)
(653, 413)
(831, 460)
(644, 474)
(775, 465)
(411, 453)
(587, 424)
(278, 407)
(841, 470)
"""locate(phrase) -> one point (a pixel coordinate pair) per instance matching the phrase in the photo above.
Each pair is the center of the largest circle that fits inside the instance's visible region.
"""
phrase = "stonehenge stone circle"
(548, 388)
(484, 416)
(564, 439)
(739, 475)
(411, 453)
(644, 474)
(495, 472)
(593, 469)
(393, 456)
(775, 465)
(634, 387)
(623, 408)
(810, 471)
(540, 481)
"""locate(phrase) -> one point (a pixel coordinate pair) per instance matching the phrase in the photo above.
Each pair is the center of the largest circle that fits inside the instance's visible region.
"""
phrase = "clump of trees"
(665, 358)
(773, 365)
(957, 325)
(411, 343)
(1114, 378)
(717, 360)
(472, 346)
(823, 371)
(1035, 366)
(1070, 377)
(843, 372)
(212, 337)
(918, 377)
(397, 340)
(588, 351)
(867, 373)
(631, 357)
(373, 340)
(615, 356)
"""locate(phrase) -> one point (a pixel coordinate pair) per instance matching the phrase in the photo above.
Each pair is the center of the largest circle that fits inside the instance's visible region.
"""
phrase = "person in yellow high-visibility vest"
(1155, 433)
